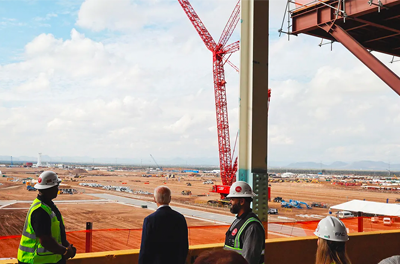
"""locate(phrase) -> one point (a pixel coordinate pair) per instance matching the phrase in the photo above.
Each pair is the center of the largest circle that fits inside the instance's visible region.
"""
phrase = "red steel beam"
(383, 72)
(383, 37)
(377, 25)
(309, 18)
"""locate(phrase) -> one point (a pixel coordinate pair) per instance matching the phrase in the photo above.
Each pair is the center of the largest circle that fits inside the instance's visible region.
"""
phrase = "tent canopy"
(369, 207)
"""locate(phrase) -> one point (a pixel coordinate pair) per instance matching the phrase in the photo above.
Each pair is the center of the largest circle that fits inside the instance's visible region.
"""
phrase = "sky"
(123, 79)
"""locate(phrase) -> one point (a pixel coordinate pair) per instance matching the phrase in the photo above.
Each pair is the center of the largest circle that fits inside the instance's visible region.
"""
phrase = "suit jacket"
(164, 238)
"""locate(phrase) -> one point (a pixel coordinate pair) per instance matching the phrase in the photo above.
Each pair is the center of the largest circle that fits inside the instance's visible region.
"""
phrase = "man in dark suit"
(165, 233)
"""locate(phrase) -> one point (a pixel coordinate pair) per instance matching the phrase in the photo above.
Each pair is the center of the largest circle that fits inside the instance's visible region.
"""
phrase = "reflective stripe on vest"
(30, 250)
(237, 247)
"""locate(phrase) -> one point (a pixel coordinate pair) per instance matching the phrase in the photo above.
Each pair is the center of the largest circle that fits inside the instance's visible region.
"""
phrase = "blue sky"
(125, 78)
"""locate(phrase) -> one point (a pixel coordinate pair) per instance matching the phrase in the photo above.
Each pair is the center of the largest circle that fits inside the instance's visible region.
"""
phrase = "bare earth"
(128, 219)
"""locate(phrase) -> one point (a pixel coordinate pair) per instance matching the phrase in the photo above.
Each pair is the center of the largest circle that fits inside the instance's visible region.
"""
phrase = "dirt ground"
(118, 226)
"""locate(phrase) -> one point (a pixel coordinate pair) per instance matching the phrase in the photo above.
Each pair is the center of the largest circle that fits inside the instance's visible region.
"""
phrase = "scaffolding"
(362, 26)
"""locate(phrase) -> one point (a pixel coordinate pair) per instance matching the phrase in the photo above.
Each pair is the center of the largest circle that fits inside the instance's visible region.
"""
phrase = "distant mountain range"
(339, 165)
(177, 161)
(212, 162)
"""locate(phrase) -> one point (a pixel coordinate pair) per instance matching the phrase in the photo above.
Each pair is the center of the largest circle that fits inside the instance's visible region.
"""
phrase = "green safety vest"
(233, 240)
(30, 250)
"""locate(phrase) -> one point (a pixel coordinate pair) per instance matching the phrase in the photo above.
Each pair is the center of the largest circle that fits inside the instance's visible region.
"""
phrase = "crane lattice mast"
(221, 53)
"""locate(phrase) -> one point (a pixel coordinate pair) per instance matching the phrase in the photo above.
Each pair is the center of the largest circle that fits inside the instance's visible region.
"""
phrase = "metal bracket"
(393, 61)
(379, 5)
(329, 43)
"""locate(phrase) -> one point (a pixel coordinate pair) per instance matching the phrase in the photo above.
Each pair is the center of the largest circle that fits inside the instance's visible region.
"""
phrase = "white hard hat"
(240, 189)
(331, 228)
(47, 180)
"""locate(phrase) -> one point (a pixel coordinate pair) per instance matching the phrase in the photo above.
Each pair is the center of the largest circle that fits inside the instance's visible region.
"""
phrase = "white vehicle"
(374, 219)
(387, 221)
(345, 214)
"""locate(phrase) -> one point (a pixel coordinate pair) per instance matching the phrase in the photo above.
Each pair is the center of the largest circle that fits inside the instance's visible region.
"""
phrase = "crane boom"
(156, 162)
(230, 25)
(198, 25)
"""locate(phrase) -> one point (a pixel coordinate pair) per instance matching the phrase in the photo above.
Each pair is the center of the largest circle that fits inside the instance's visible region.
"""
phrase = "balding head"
(220, 257)
(162, 195)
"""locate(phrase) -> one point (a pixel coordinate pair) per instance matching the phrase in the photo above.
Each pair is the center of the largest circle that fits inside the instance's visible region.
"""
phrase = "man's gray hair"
(391, 260)
(162, 195)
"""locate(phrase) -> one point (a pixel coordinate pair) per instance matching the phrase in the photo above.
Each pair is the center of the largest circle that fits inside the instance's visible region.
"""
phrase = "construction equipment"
(221, 54)
(307, 206)
(318, 204)
(295, 204)
(285, 204)
(278, 199)
(30, 188)
(220, 202)
(186, 192)
(156, 163)
(272, 211)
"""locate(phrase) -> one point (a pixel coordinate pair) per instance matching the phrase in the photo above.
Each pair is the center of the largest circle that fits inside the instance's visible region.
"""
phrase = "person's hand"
(70, 252)
(74, 250)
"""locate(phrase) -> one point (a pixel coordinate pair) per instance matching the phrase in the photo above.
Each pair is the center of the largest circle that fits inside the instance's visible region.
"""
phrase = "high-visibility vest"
(233, 238)
(30, 250)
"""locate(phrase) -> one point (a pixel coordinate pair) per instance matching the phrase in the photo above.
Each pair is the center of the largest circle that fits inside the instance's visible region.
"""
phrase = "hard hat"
(47, 180)
(331, 228)
(240, 189)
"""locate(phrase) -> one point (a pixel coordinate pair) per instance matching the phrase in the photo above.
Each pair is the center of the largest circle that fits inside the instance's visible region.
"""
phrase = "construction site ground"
(118, 225)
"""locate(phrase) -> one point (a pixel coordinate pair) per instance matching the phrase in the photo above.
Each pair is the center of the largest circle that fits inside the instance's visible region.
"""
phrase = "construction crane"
(221, 53)
(156, 162)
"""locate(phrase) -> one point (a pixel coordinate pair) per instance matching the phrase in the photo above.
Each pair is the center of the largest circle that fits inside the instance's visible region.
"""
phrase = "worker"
(332, 236)
(43, 238)
(246, 235)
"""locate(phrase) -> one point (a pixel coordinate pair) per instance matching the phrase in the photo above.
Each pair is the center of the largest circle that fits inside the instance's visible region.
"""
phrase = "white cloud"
(145, 84)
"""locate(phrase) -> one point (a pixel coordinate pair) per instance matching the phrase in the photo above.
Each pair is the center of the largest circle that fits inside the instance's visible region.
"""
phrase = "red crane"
(221, 53)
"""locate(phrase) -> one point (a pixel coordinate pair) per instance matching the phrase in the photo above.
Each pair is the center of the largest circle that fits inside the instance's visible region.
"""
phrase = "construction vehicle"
(30, 188)
(285, 204)
(186, 192)
(295, 204)
(220, 202)
(307, 206)
(318, 204)
(272, 211)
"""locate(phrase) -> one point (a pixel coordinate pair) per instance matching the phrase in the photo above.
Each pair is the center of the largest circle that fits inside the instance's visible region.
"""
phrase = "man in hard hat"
(246, 235)
(43, 238)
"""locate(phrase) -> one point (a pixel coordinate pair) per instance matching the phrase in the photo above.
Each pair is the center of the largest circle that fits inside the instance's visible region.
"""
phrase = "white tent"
(369, 207)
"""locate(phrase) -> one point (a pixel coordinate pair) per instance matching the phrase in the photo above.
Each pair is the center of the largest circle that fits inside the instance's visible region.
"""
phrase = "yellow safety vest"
(234, 242)
(30, 250)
